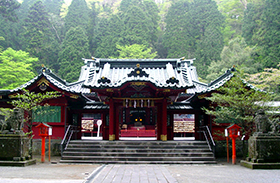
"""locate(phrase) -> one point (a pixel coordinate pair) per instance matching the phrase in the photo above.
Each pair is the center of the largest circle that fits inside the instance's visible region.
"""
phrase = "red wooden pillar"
(196, 127)
(159, 121)
(111, 120)
(43, 149)
(117, 121)
(105, 132)
(170, 133)
(163, 136)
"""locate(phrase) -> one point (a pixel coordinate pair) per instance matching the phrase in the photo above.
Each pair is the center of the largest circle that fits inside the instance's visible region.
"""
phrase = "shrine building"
(160, 98)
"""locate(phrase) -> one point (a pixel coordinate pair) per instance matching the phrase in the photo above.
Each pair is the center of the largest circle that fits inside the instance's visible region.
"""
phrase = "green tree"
(140, 22)
(237, 53)
(78, 15)
(252, 23)
(74, 47)
(135, 51)
(24, 8)
(30, 101)
(271, 33)
(267, 80)
(233, 11)
(237, 103)
(10, 31)
(37, 32)
(53, 6)
(16, 68)
(194, 29)
(261, 29)
(207, 25)
(7, 9)
(108, 33)
(92, 26)
(178, 39)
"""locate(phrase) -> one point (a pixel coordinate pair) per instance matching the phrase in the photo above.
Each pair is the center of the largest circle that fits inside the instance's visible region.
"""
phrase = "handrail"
(67, 137)
(206, 132)
(210, 135)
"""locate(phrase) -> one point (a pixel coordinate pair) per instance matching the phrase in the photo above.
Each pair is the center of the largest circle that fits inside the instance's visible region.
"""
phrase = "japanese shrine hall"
(131, 97)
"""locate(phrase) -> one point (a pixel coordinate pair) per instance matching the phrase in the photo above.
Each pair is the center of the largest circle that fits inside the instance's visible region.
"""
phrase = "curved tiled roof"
(113, 73)
(76, 87)
(220, 81)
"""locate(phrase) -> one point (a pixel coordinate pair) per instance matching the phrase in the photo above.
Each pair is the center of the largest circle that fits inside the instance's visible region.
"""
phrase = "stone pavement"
(224, 173)
(93, 173)
(132, 174)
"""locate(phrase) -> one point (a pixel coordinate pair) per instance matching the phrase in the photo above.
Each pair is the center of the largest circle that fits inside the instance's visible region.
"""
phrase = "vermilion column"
(117, 122)
(111, 120)
(233, 151)
(164, 120)
(43, 150)
(159, 121)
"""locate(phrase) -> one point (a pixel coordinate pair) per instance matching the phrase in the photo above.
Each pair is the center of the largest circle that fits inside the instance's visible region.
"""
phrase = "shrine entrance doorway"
(138, 122)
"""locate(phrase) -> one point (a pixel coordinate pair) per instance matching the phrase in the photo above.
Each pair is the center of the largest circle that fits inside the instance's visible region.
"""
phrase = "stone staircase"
(138, 152)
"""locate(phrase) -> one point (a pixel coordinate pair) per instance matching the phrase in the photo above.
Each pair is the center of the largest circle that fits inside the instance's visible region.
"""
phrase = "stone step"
(138, 142)
(138, 146)
(135, 162)
(132, 154)
(178, 150)
(125, 152)
(138, 158)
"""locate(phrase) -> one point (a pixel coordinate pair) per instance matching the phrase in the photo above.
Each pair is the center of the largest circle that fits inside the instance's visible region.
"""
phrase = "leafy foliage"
(7, 9)
(233, 11)
(29, 101)
(135, 51)
(194, 30)
(16, 68)
(74, 47)
(211, 31)
(107, 36)
(139, 22)
(37, 31)
(267, 80)
(177, 38)
(271, 42)
(237, 53)
(261, 28)
(78, 15)
(237, 103)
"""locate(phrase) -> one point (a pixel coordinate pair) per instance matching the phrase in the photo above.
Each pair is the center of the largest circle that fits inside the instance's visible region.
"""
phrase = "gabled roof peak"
(131, 63)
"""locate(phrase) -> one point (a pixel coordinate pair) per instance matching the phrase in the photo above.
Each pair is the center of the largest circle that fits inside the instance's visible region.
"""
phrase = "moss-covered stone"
(264, 148)
(14, 147)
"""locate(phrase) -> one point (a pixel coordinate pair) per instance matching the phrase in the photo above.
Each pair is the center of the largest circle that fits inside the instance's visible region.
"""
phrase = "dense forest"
(218, 33)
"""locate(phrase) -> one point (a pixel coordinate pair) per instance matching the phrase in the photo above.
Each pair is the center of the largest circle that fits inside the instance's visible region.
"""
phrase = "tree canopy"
(236, 102)
(74, 47)
(135, 51)
(7, 9)
(16, 68)
(215, 32)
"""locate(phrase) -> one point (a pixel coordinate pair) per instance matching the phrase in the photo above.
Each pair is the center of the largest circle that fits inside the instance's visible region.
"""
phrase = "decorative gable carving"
(138, 71)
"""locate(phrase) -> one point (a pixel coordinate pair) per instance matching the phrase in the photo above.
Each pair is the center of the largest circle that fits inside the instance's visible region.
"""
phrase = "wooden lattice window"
(47, 114)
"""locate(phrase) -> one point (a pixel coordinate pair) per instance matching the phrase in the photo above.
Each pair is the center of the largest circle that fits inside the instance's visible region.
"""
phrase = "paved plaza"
(53, 172)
